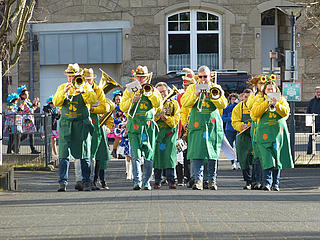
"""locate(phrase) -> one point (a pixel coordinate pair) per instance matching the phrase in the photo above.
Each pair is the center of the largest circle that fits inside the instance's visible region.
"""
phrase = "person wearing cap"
(205, 129)
(28, 108)
(12, 125)
(75, 126)
(183, 170)
(240, 121)
(271, 134)
(55, 116)
(256, 83)
(165, 157)
(142, 129)
(230, 132)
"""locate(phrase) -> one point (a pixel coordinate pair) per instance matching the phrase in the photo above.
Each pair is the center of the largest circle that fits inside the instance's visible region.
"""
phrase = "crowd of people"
(175, 135)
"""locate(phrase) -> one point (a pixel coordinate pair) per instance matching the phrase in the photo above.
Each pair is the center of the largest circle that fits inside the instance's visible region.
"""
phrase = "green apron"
(96, 136)
(75, 129)
(103, 152)
(243, 144)
(273, 142)
(205, 132)
(165, 155)
(142, 130)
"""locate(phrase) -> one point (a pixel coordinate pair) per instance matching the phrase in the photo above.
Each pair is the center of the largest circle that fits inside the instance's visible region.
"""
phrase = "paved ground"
(37, 211)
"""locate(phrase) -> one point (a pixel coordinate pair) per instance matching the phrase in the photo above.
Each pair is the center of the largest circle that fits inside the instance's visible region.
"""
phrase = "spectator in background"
(314, 107)
(119, 124)
(55, 116)
(230, 132)
(28, 108)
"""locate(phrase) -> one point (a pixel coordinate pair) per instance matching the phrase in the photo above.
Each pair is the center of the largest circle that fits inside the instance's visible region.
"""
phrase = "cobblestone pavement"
(37, 211)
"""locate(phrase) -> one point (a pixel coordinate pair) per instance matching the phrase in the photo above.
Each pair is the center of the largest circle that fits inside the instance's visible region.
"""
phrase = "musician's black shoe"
(79, 186)
(34, 151)
(267, 188)
(62, 187)
(247, 187)
(205, 185)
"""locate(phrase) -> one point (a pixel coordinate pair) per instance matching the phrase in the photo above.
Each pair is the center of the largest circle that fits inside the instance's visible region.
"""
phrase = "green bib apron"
(103, 152)
(165, 155)
(96, 136)
(273, 142)
(205, 132)
(142, 130)
(243, 144)
(75, 129)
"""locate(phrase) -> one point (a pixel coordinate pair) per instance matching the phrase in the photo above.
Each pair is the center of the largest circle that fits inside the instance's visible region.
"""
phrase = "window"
(193, 39)
(268, 17)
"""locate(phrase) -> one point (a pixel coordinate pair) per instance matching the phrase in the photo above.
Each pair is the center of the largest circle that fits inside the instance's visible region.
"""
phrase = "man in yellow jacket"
(142, 129)
(74, 98)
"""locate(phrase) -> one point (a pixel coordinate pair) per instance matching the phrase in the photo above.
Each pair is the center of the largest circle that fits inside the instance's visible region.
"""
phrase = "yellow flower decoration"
(272, 78)
(263, 78)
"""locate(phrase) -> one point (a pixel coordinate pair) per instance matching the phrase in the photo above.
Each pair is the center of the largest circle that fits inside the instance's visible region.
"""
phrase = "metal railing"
(34, 146)
(307, 140)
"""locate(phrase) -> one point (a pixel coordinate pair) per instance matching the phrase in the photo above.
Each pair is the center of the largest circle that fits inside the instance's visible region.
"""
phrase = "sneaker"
(87, 187)
(205, 185)
(267, 188)
(94, 187)
(172, 186)
(79, 186)
(104, 185)
(190, 183)
(157, 186)
(136, 186)
(198, 185)
(238, 165)
(213, 186)
(234, 166)
(247, 187)
(62, 187)
(34, 151)
(146, 186)
(257, 186)
(180, 184)
(276, 188)
(164, 182)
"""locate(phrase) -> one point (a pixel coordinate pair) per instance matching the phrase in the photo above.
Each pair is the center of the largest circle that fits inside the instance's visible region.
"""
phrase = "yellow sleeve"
(184, 114)
(126, 101)
(157, 114)
(283, 108)
(173, 121)
(156, 99)
(102, 106)
(250, 101)
(109, 123)
(189, 98)
(236, 117)
(89, 96)
(59, 96)
(259, 108)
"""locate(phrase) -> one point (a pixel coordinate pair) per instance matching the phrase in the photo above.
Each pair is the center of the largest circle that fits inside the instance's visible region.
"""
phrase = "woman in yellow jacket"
(271, 134)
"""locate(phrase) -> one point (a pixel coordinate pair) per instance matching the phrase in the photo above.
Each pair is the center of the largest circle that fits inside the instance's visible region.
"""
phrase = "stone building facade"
(145, 36)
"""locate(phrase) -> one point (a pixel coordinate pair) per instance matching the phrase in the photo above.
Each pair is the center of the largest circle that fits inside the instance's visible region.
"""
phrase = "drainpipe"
(31, 62)
(1, 113)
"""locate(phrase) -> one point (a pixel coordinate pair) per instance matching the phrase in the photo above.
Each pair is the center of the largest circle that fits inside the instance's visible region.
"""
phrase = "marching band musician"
(183, 171)
(256, 84)
(272, 134)
(98, 108)
(205, 129)
(241, 121)
(165, 156)
(141, 126)
(76, 128)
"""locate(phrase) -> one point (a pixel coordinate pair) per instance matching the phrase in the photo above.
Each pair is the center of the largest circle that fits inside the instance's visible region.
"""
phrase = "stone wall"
(146, 43)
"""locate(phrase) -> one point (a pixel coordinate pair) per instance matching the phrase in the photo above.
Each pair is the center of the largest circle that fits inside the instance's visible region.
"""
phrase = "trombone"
(147, 90)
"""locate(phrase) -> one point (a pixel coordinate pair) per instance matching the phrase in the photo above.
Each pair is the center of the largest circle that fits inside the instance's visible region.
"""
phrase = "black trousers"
(31, 140)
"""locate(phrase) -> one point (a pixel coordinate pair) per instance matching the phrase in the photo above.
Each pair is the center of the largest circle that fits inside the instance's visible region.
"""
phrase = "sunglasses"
(204, 76)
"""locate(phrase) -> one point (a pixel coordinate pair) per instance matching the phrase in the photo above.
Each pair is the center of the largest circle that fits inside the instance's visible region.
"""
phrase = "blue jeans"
(136, 171)
(158, 174)
(198, 168)
(271, 177)
(231, 136)
(64, 169)
(257, 171)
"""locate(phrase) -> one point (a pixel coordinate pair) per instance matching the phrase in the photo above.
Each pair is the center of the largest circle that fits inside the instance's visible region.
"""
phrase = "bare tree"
(14, 17)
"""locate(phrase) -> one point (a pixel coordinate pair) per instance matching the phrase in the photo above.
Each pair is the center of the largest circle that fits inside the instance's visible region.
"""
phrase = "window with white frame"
(193, 39)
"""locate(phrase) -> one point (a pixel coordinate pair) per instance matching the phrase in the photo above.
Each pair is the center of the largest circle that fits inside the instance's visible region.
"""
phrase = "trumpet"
(214, 93)
(272, 108)
(147, 89)
(78, 81)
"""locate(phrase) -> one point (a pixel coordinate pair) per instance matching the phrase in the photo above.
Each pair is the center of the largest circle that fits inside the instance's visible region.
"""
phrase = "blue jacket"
(226, 117)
